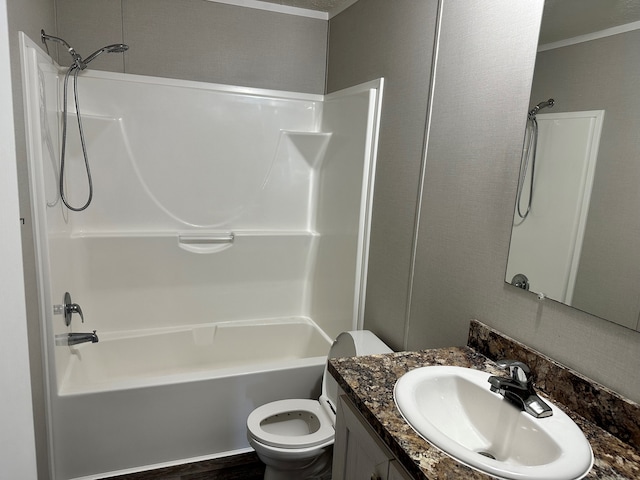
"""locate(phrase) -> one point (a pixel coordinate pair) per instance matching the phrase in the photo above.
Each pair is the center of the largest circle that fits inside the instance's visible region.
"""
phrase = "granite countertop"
(369, 380)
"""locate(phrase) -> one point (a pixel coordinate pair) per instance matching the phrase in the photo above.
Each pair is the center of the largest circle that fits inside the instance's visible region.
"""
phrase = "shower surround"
(225, 246)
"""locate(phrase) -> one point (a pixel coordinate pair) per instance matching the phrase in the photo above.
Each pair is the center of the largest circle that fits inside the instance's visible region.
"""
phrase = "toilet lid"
(324, 433)
(343, 346)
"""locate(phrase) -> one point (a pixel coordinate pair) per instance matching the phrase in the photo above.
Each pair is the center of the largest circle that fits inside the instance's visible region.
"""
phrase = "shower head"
(115, 48)
(78, 62)
(534, 111)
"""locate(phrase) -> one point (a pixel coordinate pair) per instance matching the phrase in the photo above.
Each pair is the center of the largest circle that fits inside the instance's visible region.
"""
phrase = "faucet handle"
(70, 308)
(74, 308)
(517, 370)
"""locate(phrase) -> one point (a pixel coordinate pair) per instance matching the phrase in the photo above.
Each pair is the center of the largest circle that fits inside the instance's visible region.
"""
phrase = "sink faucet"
(518, 388)
(76, 338)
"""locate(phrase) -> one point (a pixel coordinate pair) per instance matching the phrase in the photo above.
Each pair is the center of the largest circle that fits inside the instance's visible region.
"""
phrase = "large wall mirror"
(576, 230)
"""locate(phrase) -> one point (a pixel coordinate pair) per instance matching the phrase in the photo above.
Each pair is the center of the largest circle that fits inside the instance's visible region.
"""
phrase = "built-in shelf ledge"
(311, 146)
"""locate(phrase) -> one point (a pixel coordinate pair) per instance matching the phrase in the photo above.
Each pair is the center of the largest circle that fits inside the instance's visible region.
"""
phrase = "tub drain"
(487, 454)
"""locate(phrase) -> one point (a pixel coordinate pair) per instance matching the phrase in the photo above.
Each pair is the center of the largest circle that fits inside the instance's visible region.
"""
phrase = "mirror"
(579, 243)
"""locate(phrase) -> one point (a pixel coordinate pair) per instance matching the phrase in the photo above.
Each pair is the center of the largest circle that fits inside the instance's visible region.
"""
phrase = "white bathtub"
(186, 396)
(170, 355)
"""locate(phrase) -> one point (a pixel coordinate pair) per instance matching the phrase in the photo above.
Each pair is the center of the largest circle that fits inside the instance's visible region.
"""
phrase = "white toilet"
(294, 437)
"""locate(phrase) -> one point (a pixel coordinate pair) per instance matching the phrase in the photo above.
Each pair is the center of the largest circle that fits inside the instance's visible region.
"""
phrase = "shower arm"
(77, 59)
(548, 103)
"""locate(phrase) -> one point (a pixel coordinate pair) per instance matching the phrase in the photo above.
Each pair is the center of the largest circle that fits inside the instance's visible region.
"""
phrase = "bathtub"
(176, 355)
(185, 397)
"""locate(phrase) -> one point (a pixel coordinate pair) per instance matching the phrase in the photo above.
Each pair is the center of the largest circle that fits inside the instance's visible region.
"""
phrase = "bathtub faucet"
(76, 338)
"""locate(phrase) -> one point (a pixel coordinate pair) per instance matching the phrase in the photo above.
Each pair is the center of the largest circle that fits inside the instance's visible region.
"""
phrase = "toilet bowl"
(294, 437)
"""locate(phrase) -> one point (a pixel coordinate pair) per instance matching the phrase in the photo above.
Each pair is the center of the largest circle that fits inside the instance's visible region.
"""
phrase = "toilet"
(294, 437)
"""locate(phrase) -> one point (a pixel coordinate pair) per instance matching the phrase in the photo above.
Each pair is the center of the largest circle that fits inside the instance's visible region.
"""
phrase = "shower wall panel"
(170, 155)
(51, 225)
(344, 192)
(203, 202)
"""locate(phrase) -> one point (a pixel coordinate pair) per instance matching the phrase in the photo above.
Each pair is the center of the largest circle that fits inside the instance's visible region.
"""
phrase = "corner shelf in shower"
(310, 145)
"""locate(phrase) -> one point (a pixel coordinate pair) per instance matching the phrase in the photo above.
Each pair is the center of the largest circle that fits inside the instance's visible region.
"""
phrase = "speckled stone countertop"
(368, 381)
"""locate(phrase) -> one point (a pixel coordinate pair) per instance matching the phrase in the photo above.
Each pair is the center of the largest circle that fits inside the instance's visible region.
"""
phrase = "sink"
(454, 410)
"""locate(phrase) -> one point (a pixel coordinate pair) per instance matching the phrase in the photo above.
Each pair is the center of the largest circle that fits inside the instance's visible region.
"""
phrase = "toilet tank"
(348, 344)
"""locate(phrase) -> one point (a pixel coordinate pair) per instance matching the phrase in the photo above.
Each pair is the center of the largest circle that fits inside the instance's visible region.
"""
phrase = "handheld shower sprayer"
(78, 65)
(529, 157)
(115, 48)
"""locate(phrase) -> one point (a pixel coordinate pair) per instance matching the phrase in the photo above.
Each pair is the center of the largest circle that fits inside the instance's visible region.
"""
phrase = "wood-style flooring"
(237, 467)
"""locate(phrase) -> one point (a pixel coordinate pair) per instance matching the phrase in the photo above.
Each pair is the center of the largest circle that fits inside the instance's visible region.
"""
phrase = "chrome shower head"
(78, 62)
(115, 48)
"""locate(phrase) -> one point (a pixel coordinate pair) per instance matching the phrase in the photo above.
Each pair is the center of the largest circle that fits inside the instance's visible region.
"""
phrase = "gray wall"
(198, 40)
(484, 71)
(603, 75)
(394, 40)
(29, 16)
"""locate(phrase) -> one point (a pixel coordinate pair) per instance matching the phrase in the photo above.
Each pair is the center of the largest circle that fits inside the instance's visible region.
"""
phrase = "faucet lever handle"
(70, 309)
(518, 371)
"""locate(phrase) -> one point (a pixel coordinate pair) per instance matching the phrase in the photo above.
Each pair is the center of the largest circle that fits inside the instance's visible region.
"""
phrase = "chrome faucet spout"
(518, 389)
(77, 338)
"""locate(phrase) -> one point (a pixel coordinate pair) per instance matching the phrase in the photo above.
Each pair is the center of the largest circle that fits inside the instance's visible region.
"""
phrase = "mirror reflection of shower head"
(548, 103)
(529, 156)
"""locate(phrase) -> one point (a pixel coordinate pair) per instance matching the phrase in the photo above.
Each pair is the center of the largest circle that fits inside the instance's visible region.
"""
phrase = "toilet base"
(316, 468)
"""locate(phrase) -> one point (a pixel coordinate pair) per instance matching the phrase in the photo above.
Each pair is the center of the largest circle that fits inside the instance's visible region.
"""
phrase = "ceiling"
(561, 19)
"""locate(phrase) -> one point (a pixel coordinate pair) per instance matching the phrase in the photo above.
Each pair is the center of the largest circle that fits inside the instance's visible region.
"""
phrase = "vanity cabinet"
(358, 453)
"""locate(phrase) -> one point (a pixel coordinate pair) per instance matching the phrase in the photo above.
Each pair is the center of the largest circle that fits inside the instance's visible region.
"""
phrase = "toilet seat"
(324, 434)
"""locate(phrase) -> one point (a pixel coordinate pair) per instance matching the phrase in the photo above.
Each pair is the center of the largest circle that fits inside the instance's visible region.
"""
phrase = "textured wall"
(482, 82)
(198, 40)
(18, 452)
(603, 74)
(29, 16)
(394, 40)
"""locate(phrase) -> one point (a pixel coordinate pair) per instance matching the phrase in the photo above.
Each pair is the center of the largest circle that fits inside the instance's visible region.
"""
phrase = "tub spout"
(76, 338)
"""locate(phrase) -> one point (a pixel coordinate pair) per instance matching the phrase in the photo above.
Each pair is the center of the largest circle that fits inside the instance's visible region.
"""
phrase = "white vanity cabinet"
(358, 453)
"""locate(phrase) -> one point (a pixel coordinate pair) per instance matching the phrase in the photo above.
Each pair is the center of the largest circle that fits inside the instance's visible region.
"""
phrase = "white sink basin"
(453, 409)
